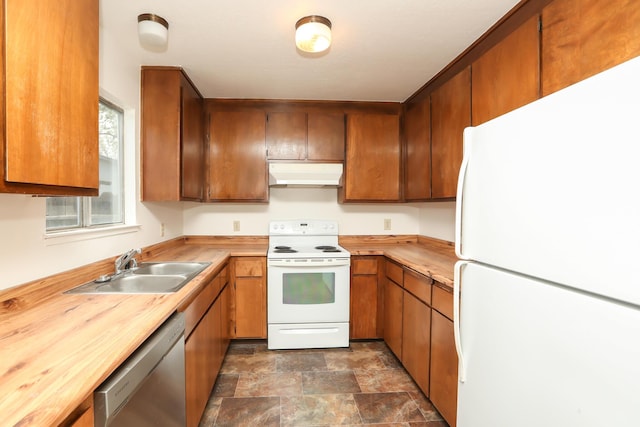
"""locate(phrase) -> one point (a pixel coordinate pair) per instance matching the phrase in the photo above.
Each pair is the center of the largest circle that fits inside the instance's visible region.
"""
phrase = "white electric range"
(307, 285)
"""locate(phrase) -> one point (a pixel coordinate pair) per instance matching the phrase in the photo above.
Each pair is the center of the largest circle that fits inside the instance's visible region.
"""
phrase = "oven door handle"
(320, 262)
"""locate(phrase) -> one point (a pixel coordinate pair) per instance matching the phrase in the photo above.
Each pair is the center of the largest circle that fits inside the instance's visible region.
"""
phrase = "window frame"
(84, 215)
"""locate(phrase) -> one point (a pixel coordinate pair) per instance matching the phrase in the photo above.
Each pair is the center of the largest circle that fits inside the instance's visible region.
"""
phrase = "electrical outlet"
(387, 223)
(236, 225)
(162, 229)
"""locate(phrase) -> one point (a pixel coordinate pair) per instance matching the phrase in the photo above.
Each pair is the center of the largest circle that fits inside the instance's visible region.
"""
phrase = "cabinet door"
(450, 114)
(160, 134)
(581, 38)
(286, 136)
(416, 330)
(508, 75)
(251, 319)
(393, 317)
(237, 158)
(250, 297)
(215, 350)
(417, 126)
(325, 136)
(443, 391)
(172, 137)
(225, 320)
(192, 143)
(197, 366)
(51, 96)
(364, 304)
(373, 158)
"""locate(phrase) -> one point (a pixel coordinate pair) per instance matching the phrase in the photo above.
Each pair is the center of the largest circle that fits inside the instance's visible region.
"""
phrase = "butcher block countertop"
(56, 348)
(431, 257)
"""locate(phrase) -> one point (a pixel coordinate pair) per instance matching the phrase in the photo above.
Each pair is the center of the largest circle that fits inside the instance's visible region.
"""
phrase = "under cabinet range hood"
(305, 174)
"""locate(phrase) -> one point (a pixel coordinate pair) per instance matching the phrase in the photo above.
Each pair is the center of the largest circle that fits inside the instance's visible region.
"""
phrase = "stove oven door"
(308, 293)
(308, 305)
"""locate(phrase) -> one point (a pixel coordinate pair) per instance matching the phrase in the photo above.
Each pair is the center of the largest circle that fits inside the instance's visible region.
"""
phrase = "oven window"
(309, 288)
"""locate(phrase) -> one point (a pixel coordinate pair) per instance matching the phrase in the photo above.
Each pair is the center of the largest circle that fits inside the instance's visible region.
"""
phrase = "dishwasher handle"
(116, 390)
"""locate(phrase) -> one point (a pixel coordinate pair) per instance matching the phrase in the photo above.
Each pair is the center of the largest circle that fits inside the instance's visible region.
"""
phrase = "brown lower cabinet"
(82, 416)
(416, 327)
(365, 299)
(249, 277)
(207, 340)
(419, 331)
(393, 317)
(443, 388)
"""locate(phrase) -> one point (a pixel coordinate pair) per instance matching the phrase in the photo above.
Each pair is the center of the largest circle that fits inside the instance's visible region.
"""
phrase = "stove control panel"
(304, 228)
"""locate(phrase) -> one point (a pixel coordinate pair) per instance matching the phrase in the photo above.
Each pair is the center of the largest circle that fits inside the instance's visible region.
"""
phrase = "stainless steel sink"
(169, 268)
(148, 278)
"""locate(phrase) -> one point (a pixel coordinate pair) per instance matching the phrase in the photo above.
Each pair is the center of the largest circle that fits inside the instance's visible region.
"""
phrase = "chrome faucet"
(127, 260)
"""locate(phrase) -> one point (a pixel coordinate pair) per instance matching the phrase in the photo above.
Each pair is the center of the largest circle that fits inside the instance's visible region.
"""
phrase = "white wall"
(437, 219)
(26, 255)
(299, 203)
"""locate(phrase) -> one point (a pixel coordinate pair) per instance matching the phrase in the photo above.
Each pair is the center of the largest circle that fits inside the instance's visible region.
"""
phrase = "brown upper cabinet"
(237, 156)
(450, 114)
(417, 129)
(172, 136)
(581, 38)
(372, 171)
(325, 136)
(287, 136)
(508, 75)
(305, 136)
(50, 72)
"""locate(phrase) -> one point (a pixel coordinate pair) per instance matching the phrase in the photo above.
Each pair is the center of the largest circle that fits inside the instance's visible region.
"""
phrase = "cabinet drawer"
(364, 266)
(394, 272)
(442, 300)
(249, 267)
(418, 285)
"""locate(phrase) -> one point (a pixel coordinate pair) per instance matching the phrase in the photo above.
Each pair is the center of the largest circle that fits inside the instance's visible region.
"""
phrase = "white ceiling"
(383, 50)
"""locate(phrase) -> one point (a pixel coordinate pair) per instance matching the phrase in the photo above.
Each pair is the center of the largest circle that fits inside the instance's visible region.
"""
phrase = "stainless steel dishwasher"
(148, 389)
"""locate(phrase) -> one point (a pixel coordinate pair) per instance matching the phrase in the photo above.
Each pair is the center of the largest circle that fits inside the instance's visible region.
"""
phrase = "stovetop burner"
(313, 239)
(327, 248)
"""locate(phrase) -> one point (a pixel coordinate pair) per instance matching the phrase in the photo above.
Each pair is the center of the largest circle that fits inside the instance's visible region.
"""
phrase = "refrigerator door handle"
(457, 271)
(460, 190)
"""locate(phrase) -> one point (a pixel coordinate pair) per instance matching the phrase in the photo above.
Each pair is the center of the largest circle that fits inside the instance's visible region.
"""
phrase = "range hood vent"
(305, 174)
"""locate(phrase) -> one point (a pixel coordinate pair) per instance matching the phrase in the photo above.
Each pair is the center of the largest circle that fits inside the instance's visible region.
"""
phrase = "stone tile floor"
(360, 385)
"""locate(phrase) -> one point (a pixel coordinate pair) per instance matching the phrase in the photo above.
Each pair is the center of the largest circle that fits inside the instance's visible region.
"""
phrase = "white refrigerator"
(547, 292)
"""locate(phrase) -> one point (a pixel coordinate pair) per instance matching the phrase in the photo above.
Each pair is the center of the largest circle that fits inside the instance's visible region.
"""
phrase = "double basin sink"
(147, 278)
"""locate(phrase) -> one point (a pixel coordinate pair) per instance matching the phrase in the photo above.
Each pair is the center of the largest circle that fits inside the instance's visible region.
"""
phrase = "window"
(66, 213)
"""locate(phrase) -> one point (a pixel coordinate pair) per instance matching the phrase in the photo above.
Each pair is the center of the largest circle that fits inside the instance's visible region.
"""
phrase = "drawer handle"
(308, 331)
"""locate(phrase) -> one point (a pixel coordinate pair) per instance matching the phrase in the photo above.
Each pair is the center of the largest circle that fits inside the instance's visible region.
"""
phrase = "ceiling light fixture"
(153, 31)
(313, 33)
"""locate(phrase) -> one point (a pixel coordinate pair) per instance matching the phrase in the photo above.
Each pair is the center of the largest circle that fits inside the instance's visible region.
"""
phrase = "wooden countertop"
(56, 348)
(431, 257)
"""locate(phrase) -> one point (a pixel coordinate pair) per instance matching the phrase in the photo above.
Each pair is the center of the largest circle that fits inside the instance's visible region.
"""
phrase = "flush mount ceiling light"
(313, 33)
(153, 31)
